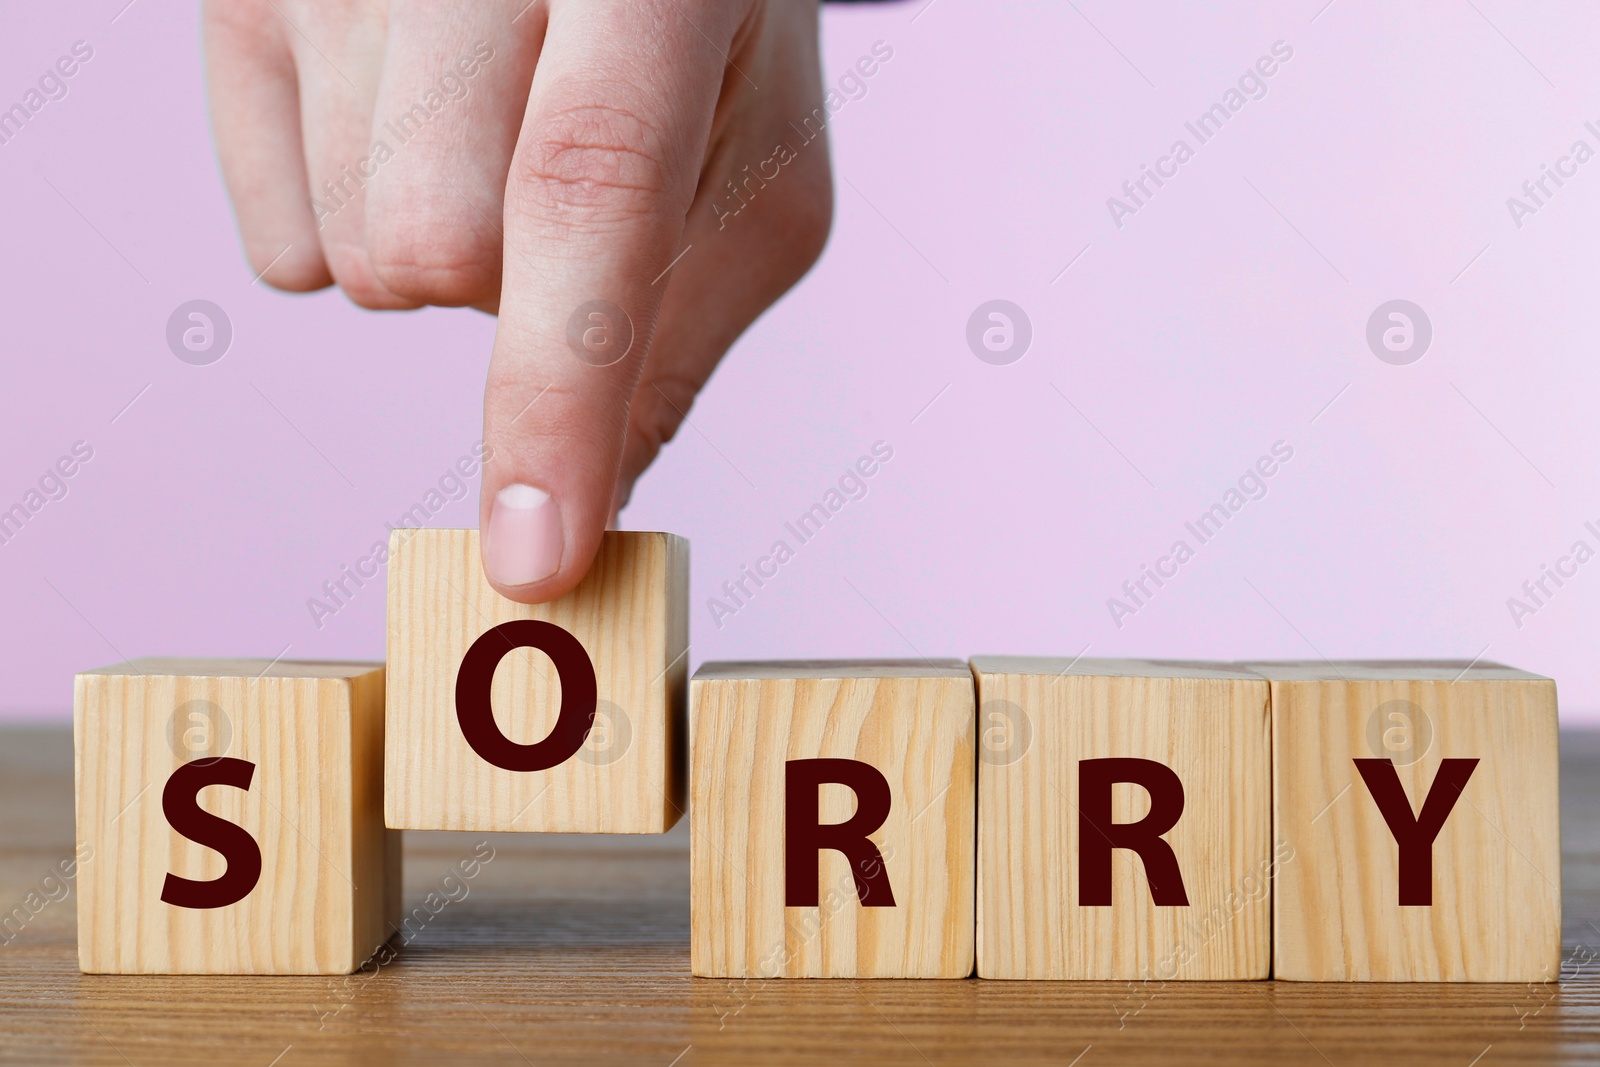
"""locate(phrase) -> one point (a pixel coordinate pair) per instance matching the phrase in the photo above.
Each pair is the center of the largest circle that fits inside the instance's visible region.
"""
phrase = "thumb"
(605, 170)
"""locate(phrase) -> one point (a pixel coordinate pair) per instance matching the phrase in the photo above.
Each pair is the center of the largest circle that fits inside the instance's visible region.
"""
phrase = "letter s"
(181, 805)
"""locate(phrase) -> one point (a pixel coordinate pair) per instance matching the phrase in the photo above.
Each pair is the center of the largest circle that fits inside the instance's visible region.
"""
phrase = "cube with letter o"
(563, 717)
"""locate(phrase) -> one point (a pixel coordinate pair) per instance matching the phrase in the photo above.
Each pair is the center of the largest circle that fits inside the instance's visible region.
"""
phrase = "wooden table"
(576, 950)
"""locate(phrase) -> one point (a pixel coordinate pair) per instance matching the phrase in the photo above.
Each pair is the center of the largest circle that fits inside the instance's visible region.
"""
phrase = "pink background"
(1223, 317)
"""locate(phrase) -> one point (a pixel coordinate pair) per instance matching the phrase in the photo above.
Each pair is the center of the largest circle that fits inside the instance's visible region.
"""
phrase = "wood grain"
(1039, 717)
(329, 883)
(571, 949)
(631, 615)
(910, 721)
(1496, 912)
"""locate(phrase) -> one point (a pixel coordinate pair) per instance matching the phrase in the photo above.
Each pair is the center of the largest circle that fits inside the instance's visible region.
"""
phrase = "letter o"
(475, 712)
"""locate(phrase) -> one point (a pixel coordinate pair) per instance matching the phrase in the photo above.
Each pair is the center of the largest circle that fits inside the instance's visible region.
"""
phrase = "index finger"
(605, 170)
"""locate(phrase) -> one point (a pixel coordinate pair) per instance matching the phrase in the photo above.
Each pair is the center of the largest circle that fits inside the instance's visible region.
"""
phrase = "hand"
(548, 164)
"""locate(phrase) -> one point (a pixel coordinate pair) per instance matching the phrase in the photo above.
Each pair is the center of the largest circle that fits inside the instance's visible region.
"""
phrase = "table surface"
(576, 950)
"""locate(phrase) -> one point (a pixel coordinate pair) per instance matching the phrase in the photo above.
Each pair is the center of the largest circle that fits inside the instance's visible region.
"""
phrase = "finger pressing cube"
(562, 717)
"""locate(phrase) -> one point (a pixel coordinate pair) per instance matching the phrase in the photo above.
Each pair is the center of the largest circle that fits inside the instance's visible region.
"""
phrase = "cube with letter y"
(832, 824)
(1123, 820)
(230, 818)
(1417, 807)
(565, 717)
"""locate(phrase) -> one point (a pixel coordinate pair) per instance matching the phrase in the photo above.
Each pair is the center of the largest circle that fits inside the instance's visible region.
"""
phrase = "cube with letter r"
(1124, 820)
(832, 828)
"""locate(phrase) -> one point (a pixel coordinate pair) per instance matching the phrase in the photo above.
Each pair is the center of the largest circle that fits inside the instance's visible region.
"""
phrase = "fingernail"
(523, 543)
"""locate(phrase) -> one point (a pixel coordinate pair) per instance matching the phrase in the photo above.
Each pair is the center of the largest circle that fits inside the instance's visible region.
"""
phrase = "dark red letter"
(803, 837)
(578, 695)
(1098, 835)
(1414, 835)
(180, 802)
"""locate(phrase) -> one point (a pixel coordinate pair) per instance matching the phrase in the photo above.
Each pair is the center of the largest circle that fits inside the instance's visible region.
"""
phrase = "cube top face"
(1482, 896)
(1388, 670)
(625, 627)
(1079, 667)
(795, 670)
(1063, 744)
(158, 667)
(758, 735)
(306, 740)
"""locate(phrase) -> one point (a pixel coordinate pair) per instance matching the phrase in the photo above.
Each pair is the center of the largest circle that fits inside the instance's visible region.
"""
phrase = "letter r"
(804, 837)
(1098, 835)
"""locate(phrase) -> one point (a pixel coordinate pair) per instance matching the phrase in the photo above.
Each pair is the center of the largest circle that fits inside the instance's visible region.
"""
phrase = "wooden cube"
(832, 828)
(1123, 820)
(1459, 762)
(565, 717)
(230, 818)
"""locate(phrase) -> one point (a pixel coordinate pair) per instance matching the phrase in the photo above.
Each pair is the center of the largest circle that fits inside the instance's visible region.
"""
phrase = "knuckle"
(658, 413)
(374, 297)
(802, 216)
(600, 160)
(532, 407)
(293, 271)
(785, 221)
(640, 451)
(659, 410)
(353, 270)
(446, 265)
(807, 222)
(244, 18)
